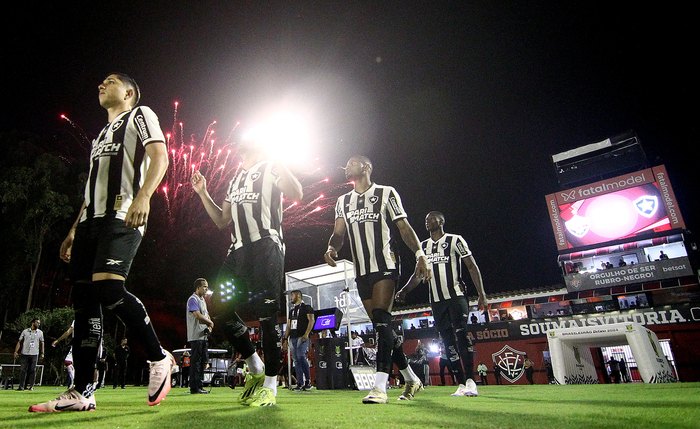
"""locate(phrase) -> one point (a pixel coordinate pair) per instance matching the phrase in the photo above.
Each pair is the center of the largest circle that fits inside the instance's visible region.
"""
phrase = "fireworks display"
(218, 160)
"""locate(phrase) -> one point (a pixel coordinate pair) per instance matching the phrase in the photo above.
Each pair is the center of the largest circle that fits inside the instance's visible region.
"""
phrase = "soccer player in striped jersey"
(447, 253)
(255, 261)
(365, 214)
(127, 163)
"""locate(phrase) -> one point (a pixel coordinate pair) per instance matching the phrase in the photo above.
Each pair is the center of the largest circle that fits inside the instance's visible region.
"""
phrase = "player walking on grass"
(446, 254)
(364, 213)
(255, 261)
(127, 162)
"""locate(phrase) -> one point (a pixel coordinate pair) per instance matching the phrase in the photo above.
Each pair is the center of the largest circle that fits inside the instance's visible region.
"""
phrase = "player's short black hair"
(199, 282)
(129, 81)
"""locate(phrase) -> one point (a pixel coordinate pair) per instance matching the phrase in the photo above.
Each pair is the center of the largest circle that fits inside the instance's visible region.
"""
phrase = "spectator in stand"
(482, 370)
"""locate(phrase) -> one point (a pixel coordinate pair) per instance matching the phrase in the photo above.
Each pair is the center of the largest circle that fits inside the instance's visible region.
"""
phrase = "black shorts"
(103, 245)
(252, 278)
(366, 283)
(452, 313)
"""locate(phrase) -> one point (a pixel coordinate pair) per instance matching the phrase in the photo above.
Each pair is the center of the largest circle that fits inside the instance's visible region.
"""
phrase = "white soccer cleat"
(410, 390)
(461, 390)
(470, 388)
(70, 400)
(375, 396)
(159, 378)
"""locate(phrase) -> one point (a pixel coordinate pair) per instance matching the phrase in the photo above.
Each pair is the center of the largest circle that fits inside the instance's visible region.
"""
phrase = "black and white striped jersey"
(256, 204)
(118, 163)
(367, 218)
(446, 255)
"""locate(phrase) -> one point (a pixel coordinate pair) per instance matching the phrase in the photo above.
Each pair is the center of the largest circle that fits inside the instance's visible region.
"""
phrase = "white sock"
(380, 380)
(271, 383)
(255, 364)
(408, 374)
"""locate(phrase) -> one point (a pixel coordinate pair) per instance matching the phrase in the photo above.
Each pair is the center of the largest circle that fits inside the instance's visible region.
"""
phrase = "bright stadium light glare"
(284, 136)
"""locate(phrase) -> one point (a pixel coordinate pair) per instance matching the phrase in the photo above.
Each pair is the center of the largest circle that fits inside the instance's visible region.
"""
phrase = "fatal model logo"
(510, 361)
(568, 196)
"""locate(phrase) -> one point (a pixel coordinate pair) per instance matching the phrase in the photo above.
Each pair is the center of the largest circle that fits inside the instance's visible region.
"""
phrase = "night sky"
(459, 104)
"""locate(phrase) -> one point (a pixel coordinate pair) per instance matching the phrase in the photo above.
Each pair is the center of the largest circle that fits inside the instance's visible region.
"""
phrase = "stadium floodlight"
(283, 135)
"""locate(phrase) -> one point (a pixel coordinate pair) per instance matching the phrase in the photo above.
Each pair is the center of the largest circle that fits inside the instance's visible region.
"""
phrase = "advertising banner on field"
(529, 328)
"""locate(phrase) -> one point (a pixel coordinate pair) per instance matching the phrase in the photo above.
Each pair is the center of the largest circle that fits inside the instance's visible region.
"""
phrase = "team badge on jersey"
(117, 125)
(373, 199)
(255, 176)
(444, 245)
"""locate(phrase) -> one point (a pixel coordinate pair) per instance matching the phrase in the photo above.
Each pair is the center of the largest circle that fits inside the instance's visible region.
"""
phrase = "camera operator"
(199, 326)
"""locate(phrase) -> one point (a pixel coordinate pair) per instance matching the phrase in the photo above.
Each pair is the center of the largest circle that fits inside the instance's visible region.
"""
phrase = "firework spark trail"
(82, 136)
(175, 115)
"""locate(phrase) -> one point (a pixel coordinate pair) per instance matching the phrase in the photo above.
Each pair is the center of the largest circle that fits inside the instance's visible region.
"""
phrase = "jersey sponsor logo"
(105, 148)
(241, 196)
(436, 258)
(270, 301)
(113, 262)
(395, 205)
(142, 127)
(362, 215)
(462, 249)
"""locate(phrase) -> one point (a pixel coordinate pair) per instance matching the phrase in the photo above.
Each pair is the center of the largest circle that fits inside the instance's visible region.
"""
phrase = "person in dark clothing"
(614, 366)
(529, 367)
(300, 322)
(121, 356)
(497, 373)
(624, 374)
